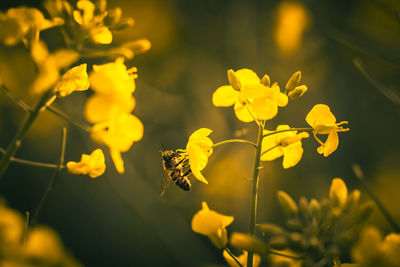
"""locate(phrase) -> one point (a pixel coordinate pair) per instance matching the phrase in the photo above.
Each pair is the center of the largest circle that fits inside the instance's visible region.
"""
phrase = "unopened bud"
(234, 80)
(139, 46)
(352, 201)
(357, 171)
(314, 207)
(278, 242)
(297, 92)
(270, 229)
(248, 243)
(287, 203)
(266, 80)
(294, 225)
(113, 16)
(293, 81)
(123, 24)
(338, 193)
(364, 212)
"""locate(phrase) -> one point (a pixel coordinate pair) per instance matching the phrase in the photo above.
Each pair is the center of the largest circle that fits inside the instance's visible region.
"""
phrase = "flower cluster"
(109, 109)
(41, 245)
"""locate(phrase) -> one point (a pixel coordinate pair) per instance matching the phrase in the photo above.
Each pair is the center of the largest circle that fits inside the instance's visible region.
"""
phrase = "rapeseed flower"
(321, 119)
(252, 98)
(75, 79)
(118, 134)
(91, 22)
(92, 164)
(198, 150)
(287, 144)
(212, 224)
(339, 195)
(23, 24)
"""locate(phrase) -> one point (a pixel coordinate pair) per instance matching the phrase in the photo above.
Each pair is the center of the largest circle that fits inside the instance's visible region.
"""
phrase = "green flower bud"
(314, 208)
(297, 92)
(287, 203)
(278, 242)
(298, 240)
(123, 24)
(352, 201)
(266, 80)
(364, 212)
(233, 80)
(293, 81)
(294, 225)
(248, 243)
(270, 229)
(113, 16)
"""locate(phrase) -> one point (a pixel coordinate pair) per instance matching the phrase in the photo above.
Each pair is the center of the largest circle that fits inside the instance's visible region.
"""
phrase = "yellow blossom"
(372, 250)
(49, 65)
(85, 17)
(242, 259)
(321, 119)
(119, 133)
(75, 79)
(11, 226)
(287, 144)
(251, 98)
(198, 150)
(212, 224)
(92, 164)
(23, 23)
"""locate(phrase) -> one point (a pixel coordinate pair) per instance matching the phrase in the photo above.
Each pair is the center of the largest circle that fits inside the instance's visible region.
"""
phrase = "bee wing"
(165, 182)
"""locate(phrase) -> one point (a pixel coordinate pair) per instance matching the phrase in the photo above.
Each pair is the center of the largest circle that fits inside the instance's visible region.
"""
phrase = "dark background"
(120, 220)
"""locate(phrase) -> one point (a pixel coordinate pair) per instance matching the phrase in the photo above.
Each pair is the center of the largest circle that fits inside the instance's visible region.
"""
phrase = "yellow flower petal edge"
(212, 224)
(92, 164)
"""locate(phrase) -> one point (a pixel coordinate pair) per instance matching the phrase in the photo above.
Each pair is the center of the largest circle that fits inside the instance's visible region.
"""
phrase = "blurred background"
(349, 55)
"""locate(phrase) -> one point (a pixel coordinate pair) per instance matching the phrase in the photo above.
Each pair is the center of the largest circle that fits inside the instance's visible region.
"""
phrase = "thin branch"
(30, 162)
(233, 256)
(234, 141)
(54, 177)
(288, 130)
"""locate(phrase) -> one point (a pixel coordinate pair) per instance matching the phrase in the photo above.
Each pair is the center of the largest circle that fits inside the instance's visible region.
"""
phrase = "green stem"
(53, 178)
(288, 130)
(21, 103)
(32, 163)
(234, 141)
(254, 195)
(16, 141)
(233, 256)
(26, 228)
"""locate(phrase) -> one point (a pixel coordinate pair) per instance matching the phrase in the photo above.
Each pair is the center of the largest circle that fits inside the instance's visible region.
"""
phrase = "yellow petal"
(225, 96)
(321, 119)
(247, 76)
(338, 192)
(101, 35)
(76, 79)
(253, 90)
(200, 139)
(242, 112)
(292, 155)
(264, 109)
(198, 161)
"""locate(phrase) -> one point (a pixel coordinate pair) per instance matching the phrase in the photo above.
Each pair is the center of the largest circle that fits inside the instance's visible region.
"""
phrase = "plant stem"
(30, 162)
(235, 141)
(16, 141)
(53, 178)
(288, 130)
(254, 195)
(26, 227)
(233, 256)
(284, 255)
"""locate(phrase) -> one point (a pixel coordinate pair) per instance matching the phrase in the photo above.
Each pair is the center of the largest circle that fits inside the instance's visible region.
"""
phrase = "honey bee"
(176, 169)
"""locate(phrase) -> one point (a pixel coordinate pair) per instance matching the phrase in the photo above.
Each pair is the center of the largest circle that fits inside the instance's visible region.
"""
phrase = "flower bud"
(266, 80)
(113, 16)
(338, 193)
(270, 229)
(293, 81)
(233, 80)
(287, 203)
(248, 243)
(123, 24)
(138, 46)
(364, 212)
(297, 92)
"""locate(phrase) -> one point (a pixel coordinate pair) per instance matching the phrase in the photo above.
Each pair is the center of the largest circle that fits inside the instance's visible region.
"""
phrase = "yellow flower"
(212, 224)
(251, 98)
(372, 250)
(93, 24)
(323, 121)
(92, 164)
(11, 226)
(242, 259)
(75, 79)
(198, 150)
(49, 65)
(287, 144)
(119, 133)
(21, 23)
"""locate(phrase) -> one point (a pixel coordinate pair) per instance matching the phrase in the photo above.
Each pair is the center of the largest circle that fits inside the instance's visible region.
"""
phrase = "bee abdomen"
(183, 183)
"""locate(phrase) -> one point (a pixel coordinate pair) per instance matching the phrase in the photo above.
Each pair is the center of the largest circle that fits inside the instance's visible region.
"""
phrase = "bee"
(176, 169)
